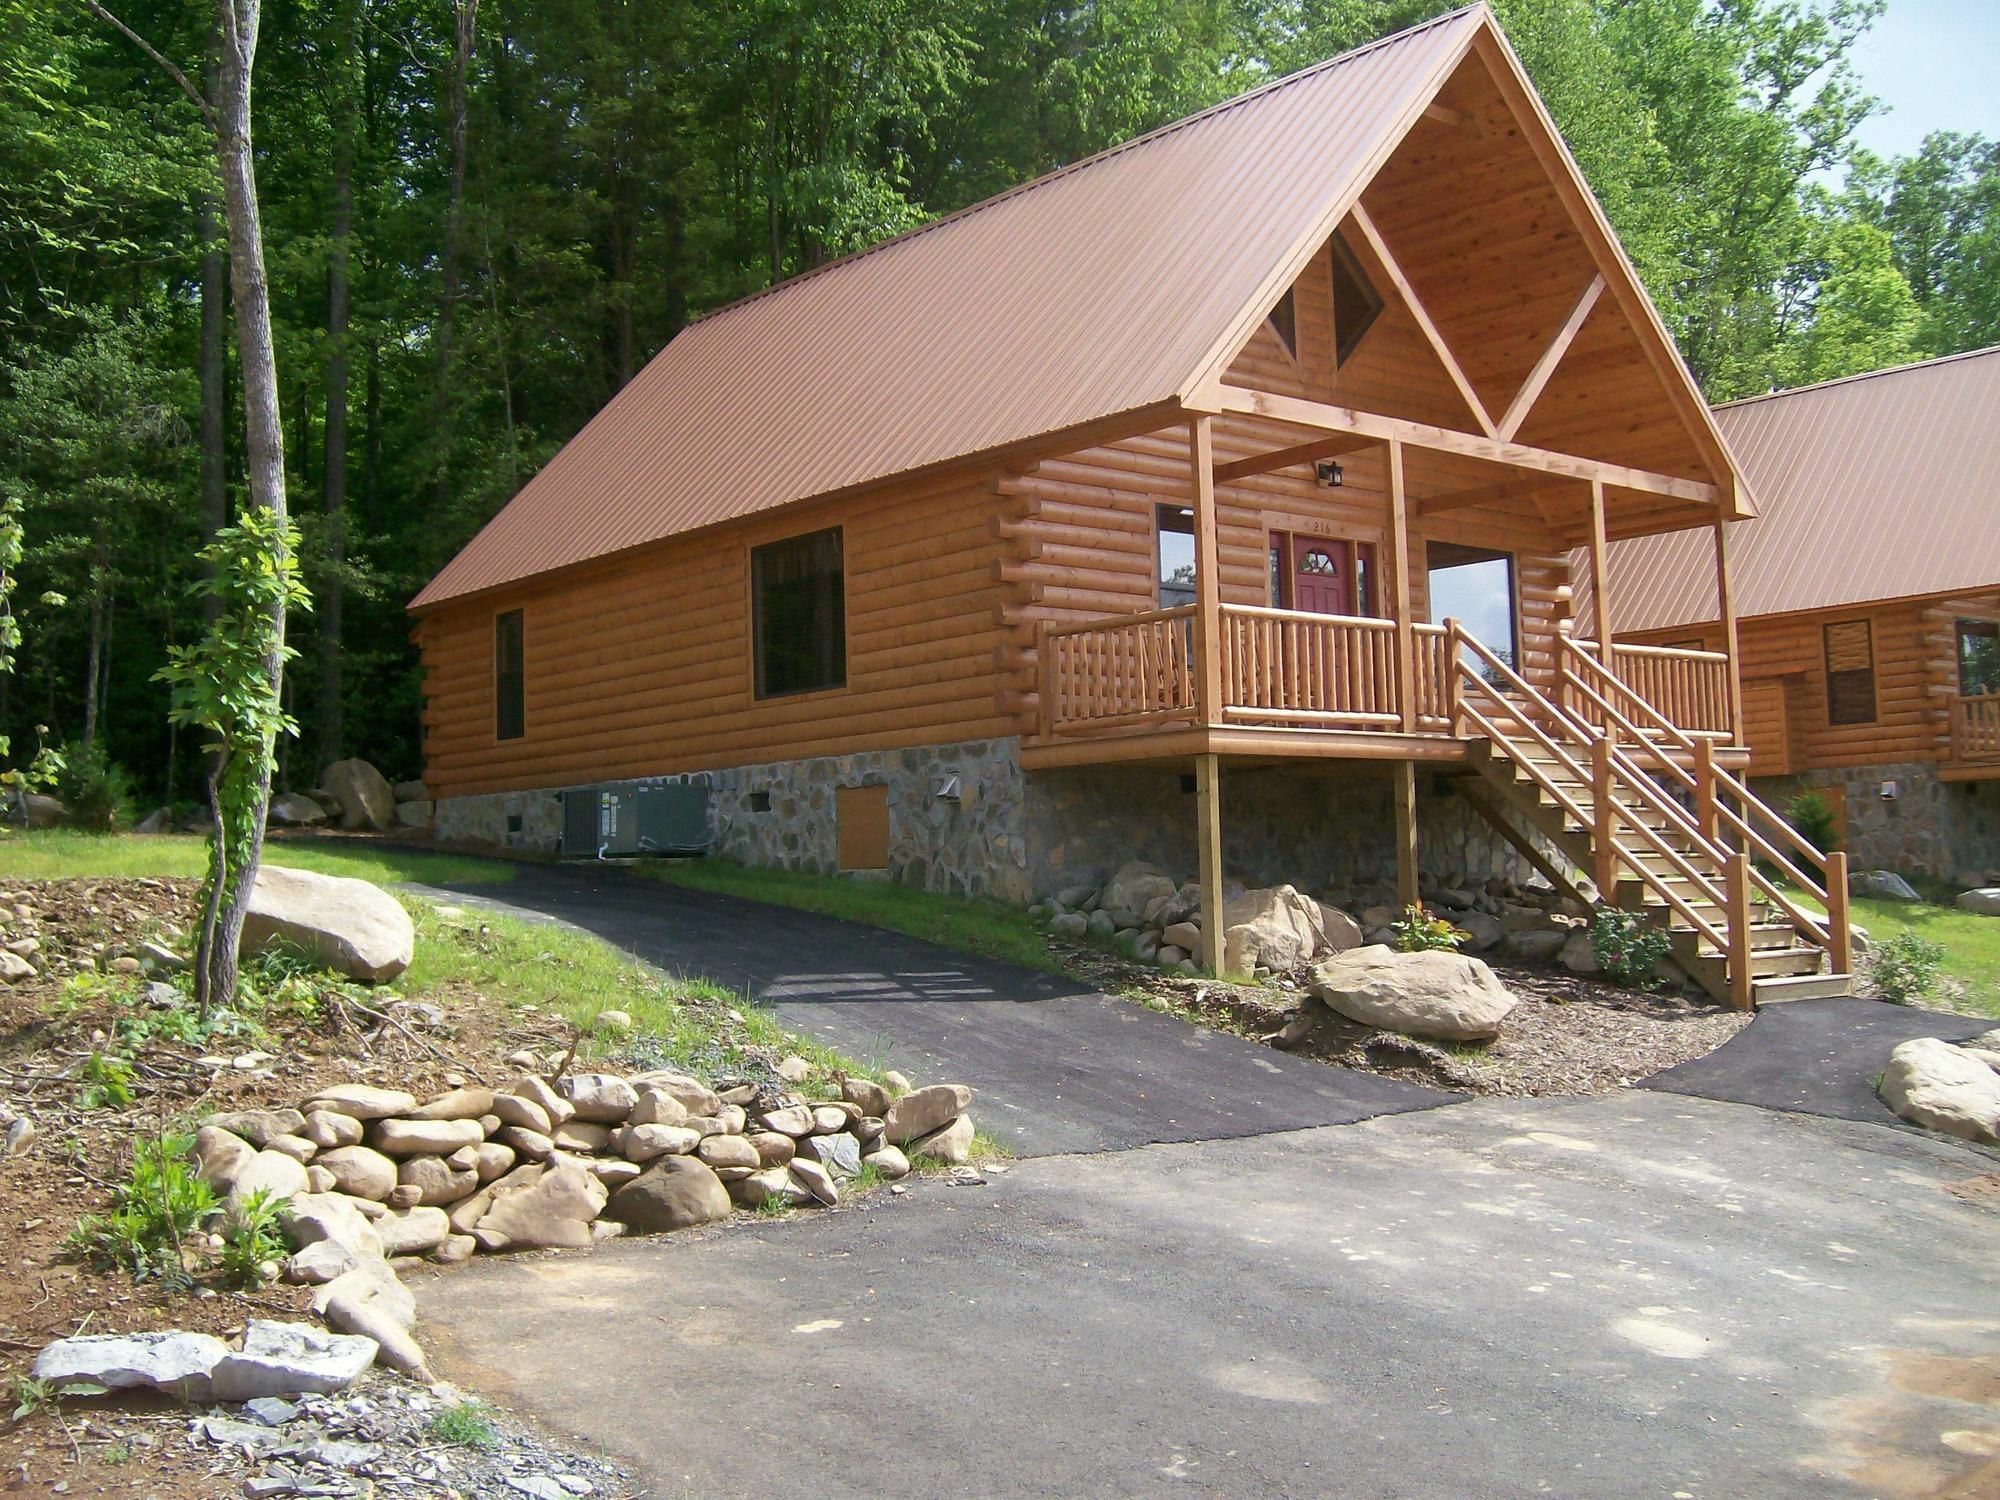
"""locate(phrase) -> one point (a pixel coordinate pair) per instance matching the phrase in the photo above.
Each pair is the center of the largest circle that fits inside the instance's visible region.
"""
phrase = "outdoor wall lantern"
(1328, 474)
(946, 789)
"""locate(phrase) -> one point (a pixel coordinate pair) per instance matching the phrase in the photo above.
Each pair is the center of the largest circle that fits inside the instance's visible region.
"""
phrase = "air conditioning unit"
(618, 819)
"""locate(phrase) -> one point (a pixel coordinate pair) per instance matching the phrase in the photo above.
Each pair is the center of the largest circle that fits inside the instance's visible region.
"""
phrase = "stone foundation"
(1949, 830)
(1015, 836)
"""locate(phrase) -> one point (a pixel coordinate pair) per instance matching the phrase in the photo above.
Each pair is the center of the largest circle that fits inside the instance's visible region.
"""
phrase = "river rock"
(535, 1088)
(774, 1148)
(643, 1143)
(1440, 995)
(924, 1110)
(952, 1144)
(675, 1192)
(293, 810)
(512, 1109)
(362, 1101)
(1129, 892)
(360, 1171)
(655, 1106)
(889, 1162)
(554, 1212)
(696, 1097)
(815, 1179)
(1985, 901)
(728, 1151)
(423, 1137)
(220, 1156)
(370, 1301)
(412, 1231)
(329, 1131)
(271, 1173)
(437, 1182)
(459, 1104)
(599, 1098)
(258, 1126)
(1883, 885)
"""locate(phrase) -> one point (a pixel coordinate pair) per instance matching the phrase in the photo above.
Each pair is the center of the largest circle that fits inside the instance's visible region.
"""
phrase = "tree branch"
(172, 71)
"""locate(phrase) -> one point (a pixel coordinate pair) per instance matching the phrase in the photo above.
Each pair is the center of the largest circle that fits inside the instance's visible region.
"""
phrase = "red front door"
(1326, 575)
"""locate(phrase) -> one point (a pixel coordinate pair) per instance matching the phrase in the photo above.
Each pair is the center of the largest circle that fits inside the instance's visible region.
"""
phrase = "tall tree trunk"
(332, 587)
(264, 436)
(214, 360)
(94, 662)
(454, 223)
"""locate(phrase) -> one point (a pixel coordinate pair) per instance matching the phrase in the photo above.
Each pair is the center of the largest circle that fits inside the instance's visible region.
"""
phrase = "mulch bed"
(1570, 1034)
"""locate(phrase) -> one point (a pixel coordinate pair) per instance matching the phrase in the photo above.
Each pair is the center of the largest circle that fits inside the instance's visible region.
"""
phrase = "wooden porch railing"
(1109, 674)
(1690, 689)
(1288, 667)
(1975, 727)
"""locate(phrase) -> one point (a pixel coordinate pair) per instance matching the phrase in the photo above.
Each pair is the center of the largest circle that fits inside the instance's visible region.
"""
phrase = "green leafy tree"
(224, 686)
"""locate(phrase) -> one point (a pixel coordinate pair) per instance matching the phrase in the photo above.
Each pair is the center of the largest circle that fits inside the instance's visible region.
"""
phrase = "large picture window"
(1850, 672)
(510, 720)
(798, 602)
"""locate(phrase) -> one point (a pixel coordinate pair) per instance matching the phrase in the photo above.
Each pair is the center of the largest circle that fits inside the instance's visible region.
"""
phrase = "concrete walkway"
(1057, 1066)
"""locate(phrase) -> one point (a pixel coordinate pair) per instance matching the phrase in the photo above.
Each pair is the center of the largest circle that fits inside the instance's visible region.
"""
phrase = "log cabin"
(1868, 601)
(1121, 515)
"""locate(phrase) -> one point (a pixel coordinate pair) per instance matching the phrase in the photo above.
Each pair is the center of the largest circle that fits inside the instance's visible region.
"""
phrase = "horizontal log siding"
(1916, 672)
(643, 667)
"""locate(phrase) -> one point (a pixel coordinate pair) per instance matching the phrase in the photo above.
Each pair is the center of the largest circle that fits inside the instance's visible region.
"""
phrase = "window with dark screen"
(798, 601)
(509, 677)
(1850, 672)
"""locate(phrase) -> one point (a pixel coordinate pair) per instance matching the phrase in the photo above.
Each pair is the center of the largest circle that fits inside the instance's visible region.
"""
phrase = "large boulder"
(371, 1302)
(292, 810)
(1985, 901)
(1134, 888)
(553, 1212)
(1450, 997)
(1883, 885)
(1941, 1087)
(290, 1359)
(924, 1110)
(347, 925)
(365, 796)
(41, 811)
(1276, 928)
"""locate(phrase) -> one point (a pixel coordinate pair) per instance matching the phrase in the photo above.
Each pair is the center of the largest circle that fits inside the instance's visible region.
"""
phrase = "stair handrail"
(1802, 921)
(1832, 933)
(1649, 795)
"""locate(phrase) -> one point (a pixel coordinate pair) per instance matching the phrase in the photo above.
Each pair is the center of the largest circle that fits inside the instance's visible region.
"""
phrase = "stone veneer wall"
(1949, 830)
(1015, 836)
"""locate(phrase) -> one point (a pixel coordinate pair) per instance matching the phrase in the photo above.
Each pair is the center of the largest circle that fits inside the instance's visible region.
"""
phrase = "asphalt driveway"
(1271, 1278)
(1057, 1067)
(1633, 1295)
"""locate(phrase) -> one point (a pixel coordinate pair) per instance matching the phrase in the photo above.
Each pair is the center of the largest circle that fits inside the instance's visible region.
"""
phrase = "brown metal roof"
(1101, 289)
(1879, 486)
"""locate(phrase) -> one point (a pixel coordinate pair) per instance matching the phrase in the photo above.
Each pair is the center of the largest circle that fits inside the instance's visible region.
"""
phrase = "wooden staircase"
(1652, 824)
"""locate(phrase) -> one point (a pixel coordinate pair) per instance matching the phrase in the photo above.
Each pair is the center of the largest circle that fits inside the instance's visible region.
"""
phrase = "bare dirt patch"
(1570, 1034)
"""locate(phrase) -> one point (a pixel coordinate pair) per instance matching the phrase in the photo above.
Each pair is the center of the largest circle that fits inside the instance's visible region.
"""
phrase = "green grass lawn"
(991, 928)
(62, 854)
(1971, 943)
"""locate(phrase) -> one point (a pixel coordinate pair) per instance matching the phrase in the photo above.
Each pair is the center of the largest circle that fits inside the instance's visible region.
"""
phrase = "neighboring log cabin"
(1121, 516)
(1868, 596)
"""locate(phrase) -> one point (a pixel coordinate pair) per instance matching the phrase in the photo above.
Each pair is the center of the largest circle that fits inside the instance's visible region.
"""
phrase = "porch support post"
(1207, 569)
(1208, 829)
(1405, 774)
(1725, 598)
(1600, 579)
(1399, 546)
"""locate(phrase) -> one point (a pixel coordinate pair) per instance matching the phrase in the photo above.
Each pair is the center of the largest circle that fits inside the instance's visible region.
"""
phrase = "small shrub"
(95, 789)
(157, 1207)
(107, 1082)
(250, 1239)
(1627, 946)
(1417, 932)
(30, 1395)
(1905, 967)
(1812, 816)
(466, 1424)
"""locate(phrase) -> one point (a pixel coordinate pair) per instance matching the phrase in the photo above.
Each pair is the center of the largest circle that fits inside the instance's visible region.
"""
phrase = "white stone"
(1442, 995)
(181, 1364)
(290, 1359)
(1985, 901)
(1883, 885)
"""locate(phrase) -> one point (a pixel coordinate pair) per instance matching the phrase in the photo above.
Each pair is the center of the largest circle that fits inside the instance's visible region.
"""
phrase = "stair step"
(1765, 963)
(1764, 936)
(1801, 987)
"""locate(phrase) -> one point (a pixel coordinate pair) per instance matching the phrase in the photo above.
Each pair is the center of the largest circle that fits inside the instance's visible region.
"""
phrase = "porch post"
(1207, 579)
(1600, 579)
(1725, 596)
(1405, 773)
(1399, 544)
(1208, 830)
